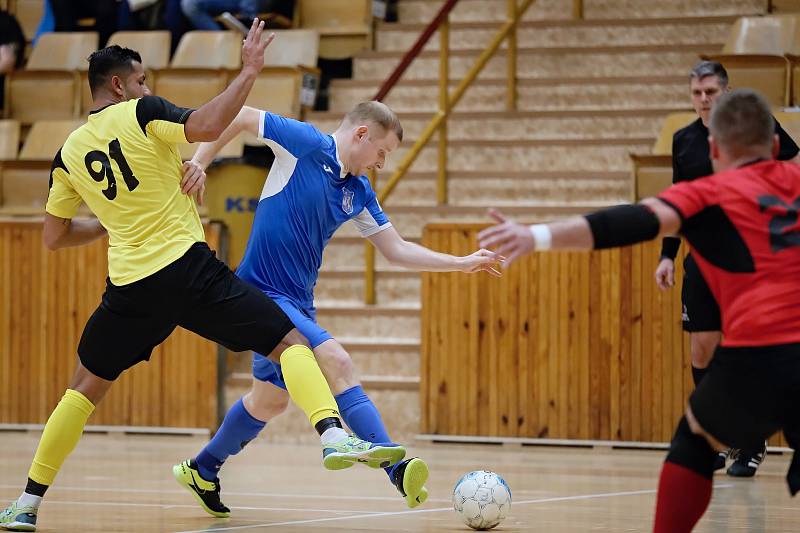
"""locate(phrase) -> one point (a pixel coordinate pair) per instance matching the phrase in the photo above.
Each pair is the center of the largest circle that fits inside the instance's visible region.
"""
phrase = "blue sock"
(238, 428)
(361, 415)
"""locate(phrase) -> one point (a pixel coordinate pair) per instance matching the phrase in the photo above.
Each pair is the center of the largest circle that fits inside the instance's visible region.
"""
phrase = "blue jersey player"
(315, 185)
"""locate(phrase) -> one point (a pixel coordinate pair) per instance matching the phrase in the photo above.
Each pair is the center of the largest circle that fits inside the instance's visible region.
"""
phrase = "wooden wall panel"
(563, 346)
(45, 300)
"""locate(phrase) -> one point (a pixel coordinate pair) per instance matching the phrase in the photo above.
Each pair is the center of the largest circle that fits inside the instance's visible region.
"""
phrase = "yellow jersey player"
(123, 163)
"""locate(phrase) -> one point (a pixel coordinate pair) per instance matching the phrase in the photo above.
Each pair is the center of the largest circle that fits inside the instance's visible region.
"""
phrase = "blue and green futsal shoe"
(205, 492)
(352, 450)
(409, 477)
(16, 518)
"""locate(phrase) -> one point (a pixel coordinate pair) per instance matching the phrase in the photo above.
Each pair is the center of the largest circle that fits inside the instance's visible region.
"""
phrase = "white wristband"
(542, 236)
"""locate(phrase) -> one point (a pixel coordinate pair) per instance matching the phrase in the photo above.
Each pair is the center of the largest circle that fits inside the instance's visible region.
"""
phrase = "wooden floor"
(123, 483)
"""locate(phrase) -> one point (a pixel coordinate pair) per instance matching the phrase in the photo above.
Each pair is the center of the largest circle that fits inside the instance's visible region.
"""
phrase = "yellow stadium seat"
(46, 137)
(199, 69)
(9, 139)
(293, 48)
(23, 187)
(153, 46)
(651, 175)
(49, 86)
(208, 49)
(190, 87)
(345, 26)
(672, 123)
(784, 6)
(41, 95)
(63, 51)
(754, 55)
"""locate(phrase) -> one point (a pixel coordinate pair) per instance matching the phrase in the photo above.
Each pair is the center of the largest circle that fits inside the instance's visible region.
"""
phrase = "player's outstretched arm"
(65, 232)
(607, 228)
(209, 121)
(400, 252)
(246, 120)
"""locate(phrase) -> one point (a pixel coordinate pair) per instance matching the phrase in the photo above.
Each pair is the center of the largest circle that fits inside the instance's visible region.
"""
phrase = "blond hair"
(377, 113)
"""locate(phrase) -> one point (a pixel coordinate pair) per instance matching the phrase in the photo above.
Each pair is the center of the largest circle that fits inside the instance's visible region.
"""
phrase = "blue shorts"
(305, 320)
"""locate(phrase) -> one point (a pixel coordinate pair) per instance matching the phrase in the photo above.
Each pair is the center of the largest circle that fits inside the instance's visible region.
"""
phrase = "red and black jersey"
(742, 225)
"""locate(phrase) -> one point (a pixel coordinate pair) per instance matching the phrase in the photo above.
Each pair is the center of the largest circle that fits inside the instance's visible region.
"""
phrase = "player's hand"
(481, 261)
(194, 181)
(253, 47)
(665, 274)
(508, 238)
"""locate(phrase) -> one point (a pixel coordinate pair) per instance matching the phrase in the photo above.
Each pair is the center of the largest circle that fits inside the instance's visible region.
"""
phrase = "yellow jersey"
(124, 164)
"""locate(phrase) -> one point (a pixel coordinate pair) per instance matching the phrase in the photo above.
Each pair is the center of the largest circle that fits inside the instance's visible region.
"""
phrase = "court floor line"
(228, 493)
(187, 506)
(436, 510)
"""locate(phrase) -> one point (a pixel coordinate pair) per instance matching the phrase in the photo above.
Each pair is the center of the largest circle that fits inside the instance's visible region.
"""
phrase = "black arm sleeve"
(150, 108)
(788, 148)
(623, 225)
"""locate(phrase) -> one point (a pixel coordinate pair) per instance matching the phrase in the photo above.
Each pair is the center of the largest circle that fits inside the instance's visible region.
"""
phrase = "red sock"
(683, 497)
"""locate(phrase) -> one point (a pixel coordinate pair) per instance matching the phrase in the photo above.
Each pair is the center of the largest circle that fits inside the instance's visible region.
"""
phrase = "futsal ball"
(482, 499)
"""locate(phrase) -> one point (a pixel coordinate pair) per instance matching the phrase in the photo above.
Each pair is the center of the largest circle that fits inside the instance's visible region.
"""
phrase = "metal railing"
(447, 101)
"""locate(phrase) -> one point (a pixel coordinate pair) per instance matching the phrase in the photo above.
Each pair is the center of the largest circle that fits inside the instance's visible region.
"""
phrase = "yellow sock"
(61, 434)
(306, 384)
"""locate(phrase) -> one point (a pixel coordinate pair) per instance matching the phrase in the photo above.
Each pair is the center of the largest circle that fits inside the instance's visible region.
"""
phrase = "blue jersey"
(306, 198)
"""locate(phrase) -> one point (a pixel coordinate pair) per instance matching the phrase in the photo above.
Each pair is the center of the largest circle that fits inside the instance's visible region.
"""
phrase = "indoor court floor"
(124, 483)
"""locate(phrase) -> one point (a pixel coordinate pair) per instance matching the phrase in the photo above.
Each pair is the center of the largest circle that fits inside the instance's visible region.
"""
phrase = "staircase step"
(359, 320)
(347, 286)
(410, 219)
(500, 191)
(563, 62)
(382, 356)
(400, 37)
(399, 409)
(544, 94)
(423, 11)
(241, 379)
(510, 156)
(527, 125)
(345, 251)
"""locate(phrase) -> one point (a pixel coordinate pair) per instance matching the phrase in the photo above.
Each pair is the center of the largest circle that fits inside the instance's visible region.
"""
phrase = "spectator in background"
(12, 48)
(202, 13)
(104, 12)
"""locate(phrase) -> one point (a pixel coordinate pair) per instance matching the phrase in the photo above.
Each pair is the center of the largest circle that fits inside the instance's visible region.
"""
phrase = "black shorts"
(197, 292)
(750, 393)
(700, 309)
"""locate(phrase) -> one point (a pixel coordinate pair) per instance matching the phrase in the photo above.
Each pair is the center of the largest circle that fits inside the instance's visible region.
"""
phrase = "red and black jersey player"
(742, 225)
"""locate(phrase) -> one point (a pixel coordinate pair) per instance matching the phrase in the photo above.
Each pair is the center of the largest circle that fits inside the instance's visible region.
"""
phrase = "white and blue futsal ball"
(482, 499)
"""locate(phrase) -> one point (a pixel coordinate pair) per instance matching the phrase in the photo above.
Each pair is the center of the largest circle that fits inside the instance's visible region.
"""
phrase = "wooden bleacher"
(9, 139)
(345, 26)
(48, 88)
(46, 137)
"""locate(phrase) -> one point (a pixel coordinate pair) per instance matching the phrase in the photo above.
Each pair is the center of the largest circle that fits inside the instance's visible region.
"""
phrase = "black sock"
(35, 489)
(697, 374)
(327, 423)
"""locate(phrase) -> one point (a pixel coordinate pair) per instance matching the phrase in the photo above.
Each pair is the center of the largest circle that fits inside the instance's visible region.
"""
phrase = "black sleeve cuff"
(669, 247)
